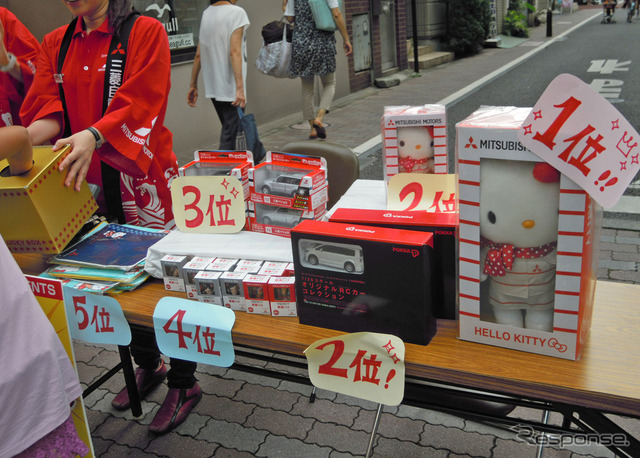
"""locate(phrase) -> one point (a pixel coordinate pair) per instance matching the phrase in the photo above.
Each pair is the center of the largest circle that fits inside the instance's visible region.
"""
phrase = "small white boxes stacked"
(535, 296)
(414, 139)
(243, 285)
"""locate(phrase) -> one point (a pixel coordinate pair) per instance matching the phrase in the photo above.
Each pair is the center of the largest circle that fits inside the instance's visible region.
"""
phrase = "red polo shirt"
(139, 145)
(18, 41)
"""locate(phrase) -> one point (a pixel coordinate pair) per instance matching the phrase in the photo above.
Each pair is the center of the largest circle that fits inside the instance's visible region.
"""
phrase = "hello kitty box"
(528, 244)
(414, 139)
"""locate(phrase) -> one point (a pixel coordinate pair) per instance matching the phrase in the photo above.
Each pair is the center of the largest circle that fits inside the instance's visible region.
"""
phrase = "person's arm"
(16, 148)
(236, 65)
(288, 10)
(20, 52)
(192, 95)
(339, 20)
(43, 130)
(8, 61)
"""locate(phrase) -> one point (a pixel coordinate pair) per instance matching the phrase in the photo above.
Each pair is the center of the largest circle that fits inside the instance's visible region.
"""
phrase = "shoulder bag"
(274, 56)
(247, 136)
(322, 15)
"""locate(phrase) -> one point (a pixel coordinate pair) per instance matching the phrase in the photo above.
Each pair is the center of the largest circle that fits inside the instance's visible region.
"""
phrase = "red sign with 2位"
(365, 365)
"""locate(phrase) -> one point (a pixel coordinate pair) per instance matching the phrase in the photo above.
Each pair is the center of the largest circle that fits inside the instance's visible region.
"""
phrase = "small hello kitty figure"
(519, 204)
(415, 149)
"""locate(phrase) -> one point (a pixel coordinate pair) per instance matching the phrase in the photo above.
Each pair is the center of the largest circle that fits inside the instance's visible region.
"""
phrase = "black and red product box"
(357, 278)
(444, 227)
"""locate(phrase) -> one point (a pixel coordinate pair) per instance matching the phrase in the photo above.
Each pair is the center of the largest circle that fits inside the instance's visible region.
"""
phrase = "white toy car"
(341, 256)
(285, 185)
(281, 216)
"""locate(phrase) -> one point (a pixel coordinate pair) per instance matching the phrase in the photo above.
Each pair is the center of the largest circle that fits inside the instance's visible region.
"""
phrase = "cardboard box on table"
(444, 227)
(491, 133)
(208, 287)
(414, 139)
(256, 294)
(41, 214)
(282, 291)
(217, 163)
(363, 278)
(231, 285)
(190, 270)
(275, 220)
(290, 180)
(173, 274)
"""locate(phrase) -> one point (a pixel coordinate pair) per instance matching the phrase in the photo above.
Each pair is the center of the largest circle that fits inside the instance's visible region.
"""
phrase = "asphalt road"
(606, 56)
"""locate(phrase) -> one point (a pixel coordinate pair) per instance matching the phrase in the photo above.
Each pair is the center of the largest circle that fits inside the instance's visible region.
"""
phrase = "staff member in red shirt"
(129, 135)
(18, 54)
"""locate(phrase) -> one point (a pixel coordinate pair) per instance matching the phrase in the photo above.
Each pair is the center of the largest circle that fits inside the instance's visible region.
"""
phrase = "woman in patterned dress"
(314, 54)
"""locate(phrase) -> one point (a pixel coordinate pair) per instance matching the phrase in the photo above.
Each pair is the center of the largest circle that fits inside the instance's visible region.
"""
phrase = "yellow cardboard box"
(37, 212)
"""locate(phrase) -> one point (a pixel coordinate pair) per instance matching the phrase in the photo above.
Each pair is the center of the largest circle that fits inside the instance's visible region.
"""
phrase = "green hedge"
(468, 26)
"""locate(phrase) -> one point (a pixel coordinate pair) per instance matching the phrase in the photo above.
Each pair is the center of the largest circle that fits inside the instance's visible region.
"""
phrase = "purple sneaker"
(175, 409)
(146, 381)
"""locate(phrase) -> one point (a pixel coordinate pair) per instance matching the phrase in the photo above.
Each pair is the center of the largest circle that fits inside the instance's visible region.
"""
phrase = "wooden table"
(605, 379)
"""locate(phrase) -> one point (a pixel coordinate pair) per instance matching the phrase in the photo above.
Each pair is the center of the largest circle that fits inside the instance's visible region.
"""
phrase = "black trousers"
(228, 115)
(144, 349)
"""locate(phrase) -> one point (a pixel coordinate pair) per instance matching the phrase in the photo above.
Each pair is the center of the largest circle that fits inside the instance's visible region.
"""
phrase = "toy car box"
(232, 290)
(218, 163)
(444, 227)
(273, 268)
(248, 266)
(221, 264)
(289, 180)
(256, 294)
(39, 213)
(526, 290)
(414, 139)
(172, 272)
(208, 287)
(274, 220)
(190, 270)
(362, 278)
(282, 291)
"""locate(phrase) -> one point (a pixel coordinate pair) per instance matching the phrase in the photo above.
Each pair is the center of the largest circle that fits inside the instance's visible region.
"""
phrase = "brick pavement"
(245, 415)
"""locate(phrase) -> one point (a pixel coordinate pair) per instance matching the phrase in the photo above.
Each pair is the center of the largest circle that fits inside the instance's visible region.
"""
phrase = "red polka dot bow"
(500, 256)
(408, 163)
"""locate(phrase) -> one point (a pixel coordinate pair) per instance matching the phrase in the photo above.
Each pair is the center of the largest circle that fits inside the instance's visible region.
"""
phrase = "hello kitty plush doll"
(519, 204)
(415, 149)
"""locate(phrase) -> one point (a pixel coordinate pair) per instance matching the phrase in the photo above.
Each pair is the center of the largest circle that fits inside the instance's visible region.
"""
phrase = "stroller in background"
(608, 11)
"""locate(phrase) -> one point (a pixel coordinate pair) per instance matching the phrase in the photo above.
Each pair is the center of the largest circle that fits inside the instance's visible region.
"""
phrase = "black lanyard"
(114, 73)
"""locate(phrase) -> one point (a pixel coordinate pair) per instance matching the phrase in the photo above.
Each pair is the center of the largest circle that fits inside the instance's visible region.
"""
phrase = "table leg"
(617, 439)
(374, 431)
(545, 420)
(130, 380)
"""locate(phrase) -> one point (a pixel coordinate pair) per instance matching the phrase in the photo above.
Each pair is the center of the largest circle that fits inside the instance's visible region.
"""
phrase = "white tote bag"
(274, 58)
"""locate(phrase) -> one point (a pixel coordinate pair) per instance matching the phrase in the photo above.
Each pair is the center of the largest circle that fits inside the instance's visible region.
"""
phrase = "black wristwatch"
(96, 135)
